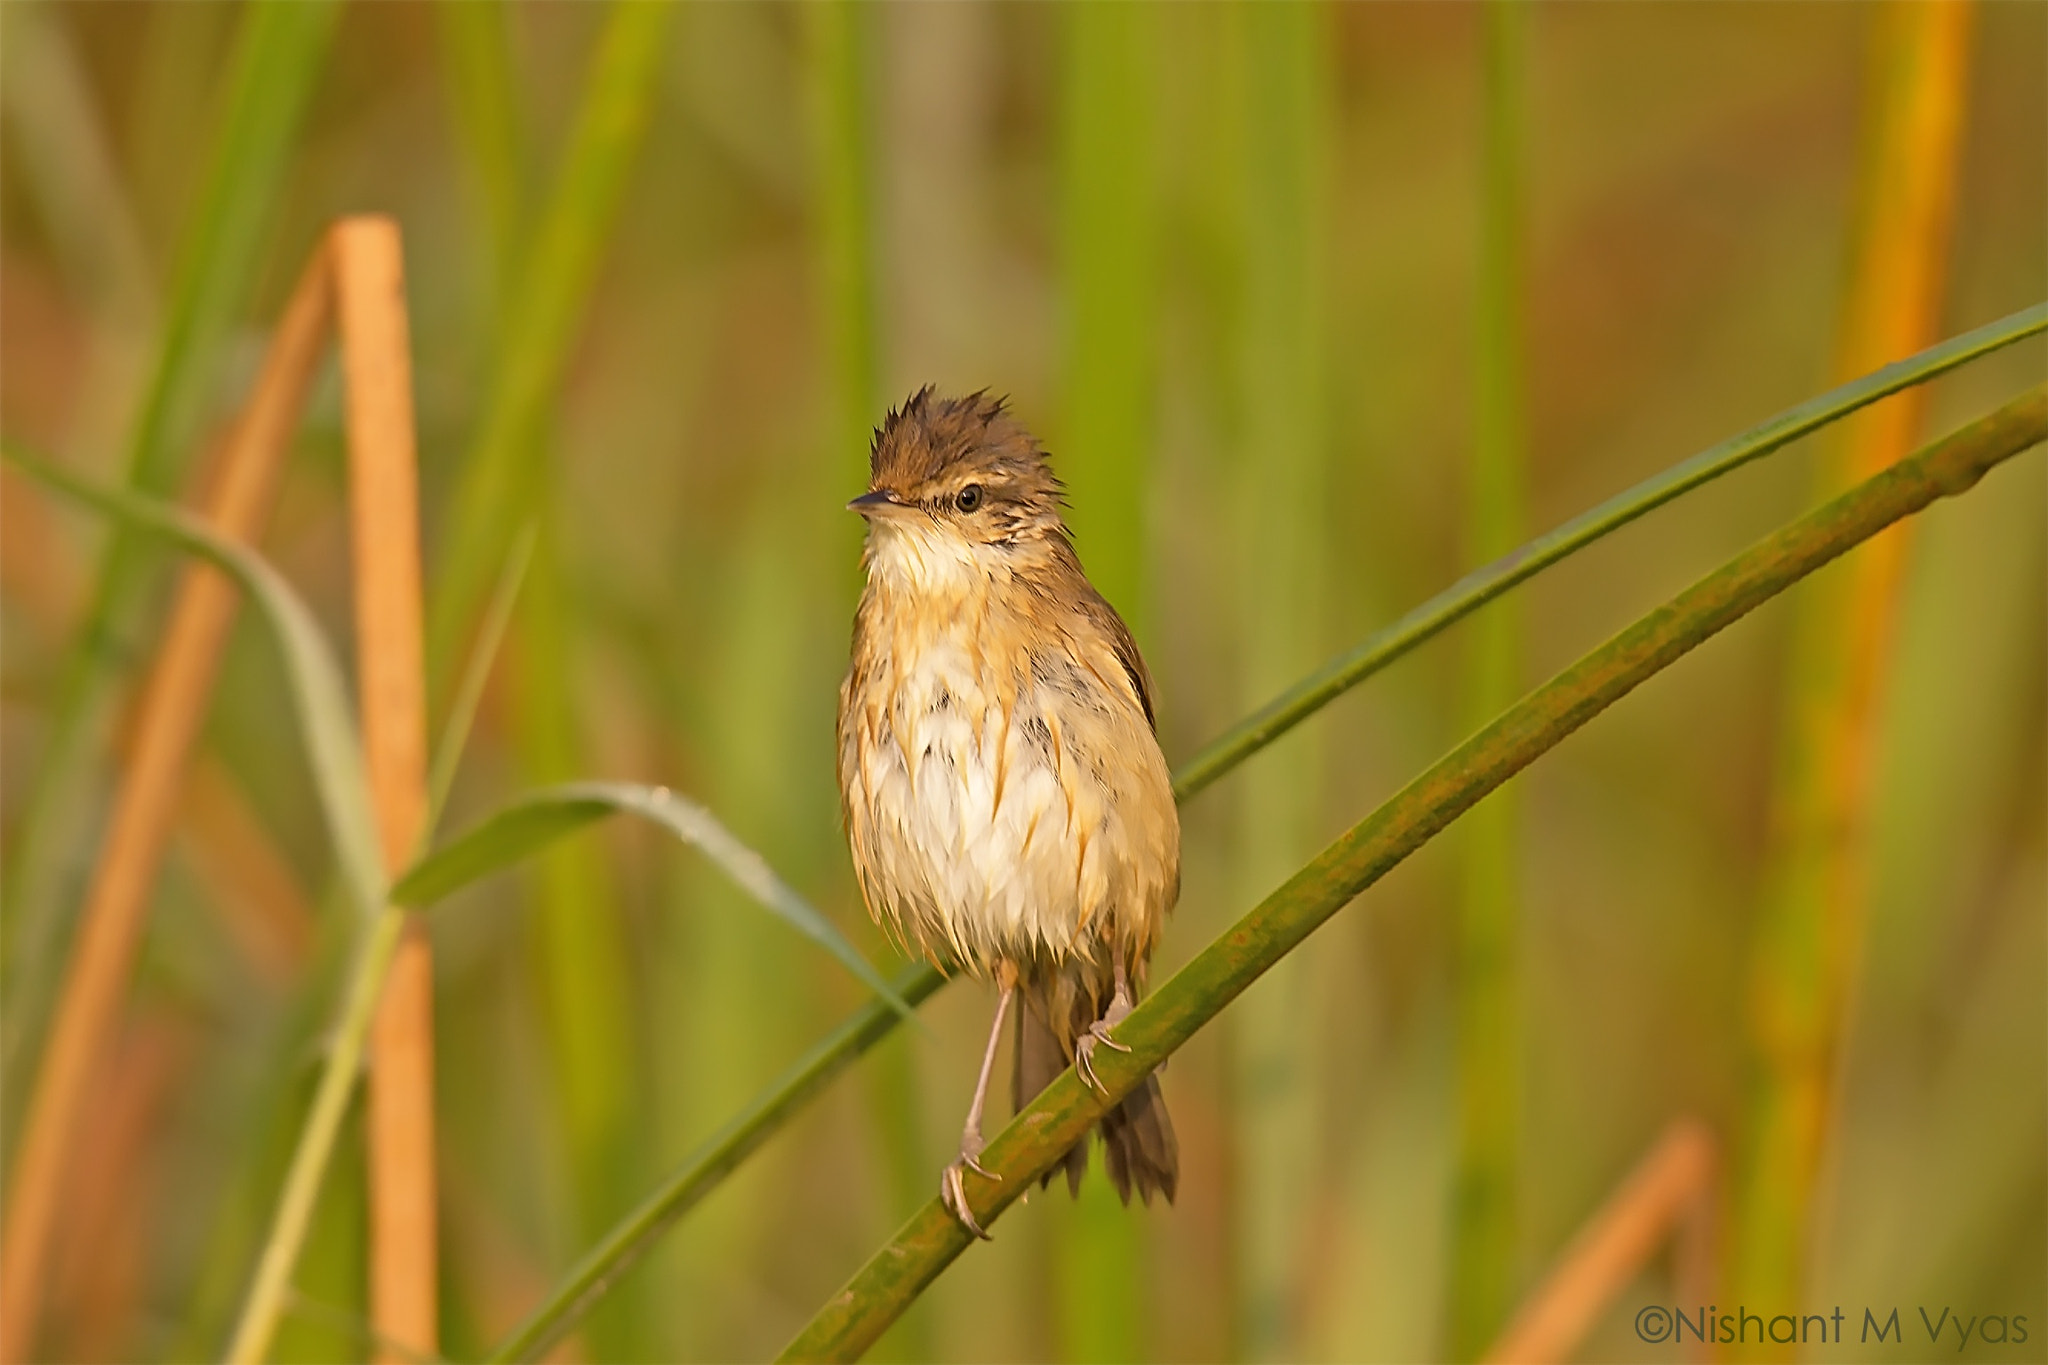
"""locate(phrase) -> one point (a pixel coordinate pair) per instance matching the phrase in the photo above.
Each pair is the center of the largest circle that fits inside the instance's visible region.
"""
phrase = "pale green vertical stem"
(1109, 241)
(1482, 1279)
(1282, 437)
(270, 75)
(482, 96)
(841, 43)
(843, 121)
(499, 476)
(580, 958)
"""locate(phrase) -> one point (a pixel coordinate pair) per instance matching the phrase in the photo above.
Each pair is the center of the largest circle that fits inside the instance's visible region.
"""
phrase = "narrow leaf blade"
(537, 820)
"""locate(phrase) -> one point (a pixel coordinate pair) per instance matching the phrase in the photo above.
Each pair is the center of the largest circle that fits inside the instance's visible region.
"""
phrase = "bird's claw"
(953, 1194)
(1084, 1052)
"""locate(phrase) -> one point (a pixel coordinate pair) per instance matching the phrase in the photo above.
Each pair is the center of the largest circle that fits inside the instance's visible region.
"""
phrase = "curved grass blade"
(535, 821)
(334, 754)
(333, 751)
(853, 1318)
(1482, 585)
(617, 1254)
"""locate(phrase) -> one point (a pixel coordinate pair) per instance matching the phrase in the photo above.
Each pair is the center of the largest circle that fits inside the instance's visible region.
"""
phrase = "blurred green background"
(666, 268)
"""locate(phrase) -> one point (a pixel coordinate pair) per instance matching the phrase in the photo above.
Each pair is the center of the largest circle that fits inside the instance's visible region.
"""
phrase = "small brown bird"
(1006, 801)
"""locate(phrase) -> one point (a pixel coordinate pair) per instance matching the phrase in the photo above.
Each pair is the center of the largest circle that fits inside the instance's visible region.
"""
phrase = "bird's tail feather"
(1137, 1136)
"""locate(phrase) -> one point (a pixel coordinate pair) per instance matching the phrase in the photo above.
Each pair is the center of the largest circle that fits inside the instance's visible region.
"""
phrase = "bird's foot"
(953, 1186)
(1098, 1035)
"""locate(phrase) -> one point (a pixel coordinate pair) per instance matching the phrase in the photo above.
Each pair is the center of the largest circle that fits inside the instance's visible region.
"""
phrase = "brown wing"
(1126, 649)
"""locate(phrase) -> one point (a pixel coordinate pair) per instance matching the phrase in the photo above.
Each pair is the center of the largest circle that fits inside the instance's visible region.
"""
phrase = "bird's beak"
(880, 502)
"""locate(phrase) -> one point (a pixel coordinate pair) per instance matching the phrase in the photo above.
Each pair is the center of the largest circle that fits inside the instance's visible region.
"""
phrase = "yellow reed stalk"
(1669, 1197)
(117, 902)
(1809, 940)
(369, 285)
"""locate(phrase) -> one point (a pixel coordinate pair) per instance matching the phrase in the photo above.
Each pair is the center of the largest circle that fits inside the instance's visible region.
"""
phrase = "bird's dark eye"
(968, 498)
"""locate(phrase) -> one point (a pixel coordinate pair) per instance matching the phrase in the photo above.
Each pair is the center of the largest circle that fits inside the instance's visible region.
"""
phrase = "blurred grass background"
(666, 267)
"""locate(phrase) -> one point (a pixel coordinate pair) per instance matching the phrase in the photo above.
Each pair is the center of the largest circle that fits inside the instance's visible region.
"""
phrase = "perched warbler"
(1007, 805)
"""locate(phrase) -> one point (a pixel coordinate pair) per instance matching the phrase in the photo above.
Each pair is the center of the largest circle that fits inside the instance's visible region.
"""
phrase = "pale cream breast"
(1003, 803)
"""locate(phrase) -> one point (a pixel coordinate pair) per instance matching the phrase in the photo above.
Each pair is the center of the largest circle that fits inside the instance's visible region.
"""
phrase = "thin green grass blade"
(1483, 1275)
(529, 825)
(476, 51)
(476, 675)
(1379, 651)
(1483, 585)
(333, 751)
(547, 312)
(278, 54)
(853, 1318)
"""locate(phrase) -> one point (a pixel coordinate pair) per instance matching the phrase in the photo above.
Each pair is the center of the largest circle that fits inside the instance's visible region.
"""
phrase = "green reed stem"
(1482, 1277)
(1097, 1257)
(566, 1304)
(933, 1238)
(545, 316)
(272, 1285)
(1281, 176)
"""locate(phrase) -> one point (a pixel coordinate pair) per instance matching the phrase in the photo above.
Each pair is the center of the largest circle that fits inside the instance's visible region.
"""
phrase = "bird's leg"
(1120, 1006)
(952, 1189)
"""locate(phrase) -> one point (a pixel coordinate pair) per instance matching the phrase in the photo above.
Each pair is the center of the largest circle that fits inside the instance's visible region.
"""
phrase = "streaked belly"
(987, 835)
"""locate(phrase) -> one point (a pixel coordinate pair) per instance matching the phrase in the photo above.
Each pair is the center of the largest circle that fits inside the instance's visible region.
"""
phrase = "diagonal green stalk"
(854, 1317)
(600, 1269)
(873, 1021)
(476, 675)
(271, 1287)
(279, 51)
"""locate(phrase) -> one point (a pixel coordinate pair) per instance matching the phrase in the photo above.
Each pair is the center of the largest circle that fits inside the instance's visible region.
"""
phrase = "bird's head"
(957, 483)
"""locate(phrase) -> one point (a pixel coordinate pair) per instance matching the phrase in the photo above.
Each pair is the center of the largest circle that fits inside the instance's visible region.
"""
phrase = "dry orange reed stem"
(1810, 943)
(1894, 309)
(369, 280)
(99, 1276)
(1671, 1193)
(110, 925)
